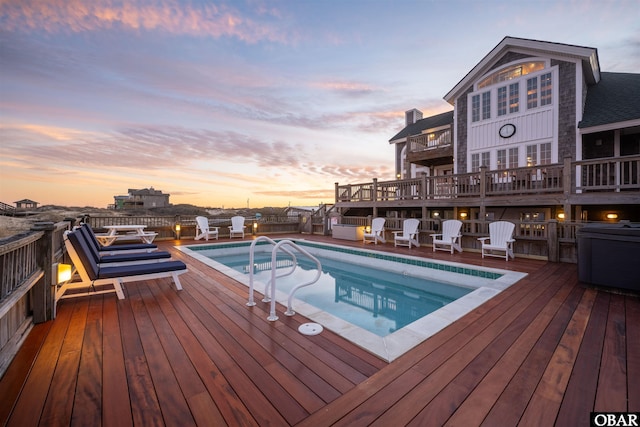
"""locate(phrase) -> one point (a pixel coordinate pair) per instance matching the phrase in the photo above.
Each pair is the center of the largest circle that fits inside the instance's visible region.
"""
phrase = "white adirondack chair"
(376, 233)
(237, 226)
(408, 235)
(449, 239)
(204, 230)
(500, 240)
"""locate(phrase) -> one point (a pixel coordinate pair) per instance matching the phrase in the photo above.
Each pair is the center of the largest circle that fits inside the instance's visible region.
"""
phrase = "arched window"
(511, 72)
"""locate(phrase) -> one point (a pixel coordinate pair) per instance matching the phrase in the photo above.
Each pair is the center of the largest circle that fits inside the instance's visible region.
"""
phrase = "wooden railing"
(26, 293)
(428, 141)
(615, 174)
(610, 174)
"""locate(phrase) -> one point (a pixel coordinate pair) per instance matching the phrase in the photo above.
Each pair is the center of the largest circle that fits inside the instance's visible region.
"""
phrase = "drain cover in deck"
(310, 328)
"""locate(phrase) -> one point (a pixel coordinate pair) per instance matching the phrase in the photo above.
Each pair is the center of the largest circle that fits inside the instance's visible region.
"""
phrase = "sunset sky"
(236, 103)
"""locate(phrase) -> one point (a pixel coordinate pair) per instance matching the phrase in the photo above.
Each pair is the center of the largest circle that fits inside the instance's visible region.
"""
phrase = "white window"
(486, 158)
(532, 92)
(545, 89)
(513, 157)
(514, 97)
(532, 155)
(502, 159)
(502, 101)
(475, 162)
(475, 108)
(486, 105)
(545, 153)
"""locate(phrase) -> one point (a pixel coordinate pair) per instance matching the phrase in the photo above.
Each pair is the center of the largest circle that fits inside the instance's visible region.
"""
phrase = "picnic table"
(125, 232)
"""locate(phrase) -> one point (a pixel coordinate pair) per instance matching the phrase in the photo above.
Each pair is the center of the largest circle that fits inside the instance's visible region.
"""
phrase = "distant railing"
(166, 228)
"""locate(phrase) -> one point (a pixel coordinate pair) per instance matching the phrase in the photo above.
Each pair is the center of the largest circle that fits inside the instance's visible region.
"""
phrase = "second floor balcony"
(615, 180)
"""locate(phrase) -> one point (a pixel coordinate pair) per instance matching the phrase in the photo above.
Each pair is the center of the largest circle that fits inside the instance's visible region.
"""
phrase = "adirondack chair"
(203, 229)
(408, 235)
(376, 233)
(500, 240)
(237, 226)
(449, 239)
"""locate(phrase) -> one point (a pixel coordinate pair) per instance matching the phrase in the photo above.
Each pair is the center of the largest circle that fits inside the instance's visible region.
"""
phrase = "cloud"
(159, 148)
(347, 88)
(167, 16)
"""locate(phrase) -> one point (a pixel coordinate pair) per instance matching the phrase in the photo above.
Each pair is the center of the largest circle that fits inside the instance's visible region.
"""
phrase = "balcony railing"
(611, 174)
(429, 141)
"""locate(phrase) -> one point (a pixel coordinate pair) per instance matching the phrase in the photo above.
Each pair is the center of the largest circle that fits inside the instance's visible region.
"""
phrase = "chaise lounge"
(94, 274)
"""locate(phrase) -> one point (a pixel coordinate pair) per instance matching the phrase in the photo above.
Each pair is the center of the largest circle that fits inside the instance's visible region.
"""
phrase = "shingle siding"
(566, 109)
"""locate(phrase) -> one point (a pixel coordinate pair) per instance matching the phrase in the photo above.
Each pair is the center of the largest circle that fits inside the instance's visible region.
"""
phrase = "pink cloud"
(208, 20)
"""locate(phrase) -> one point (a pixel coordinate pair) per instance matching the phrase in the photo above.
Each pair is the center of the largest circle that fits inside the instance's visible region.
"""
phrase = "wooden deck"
(547, 351)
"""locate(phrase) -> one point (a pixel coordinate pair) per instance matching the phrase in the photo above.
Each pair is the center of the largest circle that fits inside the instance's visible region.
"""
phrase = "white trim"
(587, 55)
(609, 126)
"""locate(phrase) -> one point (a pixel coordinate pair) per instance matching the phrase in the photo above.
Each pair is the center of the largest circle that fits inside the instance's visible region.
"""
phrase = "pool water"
(376, 300)
(385, 303)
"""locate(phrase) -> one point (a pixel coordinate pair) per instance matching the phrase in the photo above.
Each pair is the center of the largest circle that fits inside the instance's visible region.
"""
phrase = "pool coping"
(399, 342)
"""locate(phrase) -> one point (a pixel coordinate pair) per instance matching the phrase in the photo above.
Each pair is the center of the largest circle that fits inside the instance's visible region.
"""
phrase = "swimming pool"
(385, 318)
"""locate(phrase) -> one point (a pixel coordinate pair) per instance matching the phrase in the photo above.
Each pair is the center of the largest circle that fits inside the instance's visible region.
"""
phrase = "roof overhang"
(587, 55)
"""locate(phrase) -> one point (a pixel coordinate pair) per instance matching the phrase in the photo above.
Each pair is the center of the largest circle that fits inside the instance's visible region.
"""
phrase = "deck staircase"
(7, 210)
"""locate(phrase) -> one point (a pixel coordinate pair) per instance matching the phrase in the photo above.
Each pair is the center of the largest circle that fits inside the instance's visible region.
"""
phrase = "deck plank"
(612, 388)
(31, 401)
(546, 401)
(115, 392)
(580, 395)
(632, 311)
(13, 378)
(470, 408)
(175, 409)
(530, 355)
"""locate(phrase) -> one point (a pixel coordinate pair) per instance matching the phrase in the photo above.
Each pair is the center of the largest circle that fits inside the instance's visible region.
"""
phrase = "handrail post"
(483, 193)
(552, 241)
(566, 183)
(44, 290)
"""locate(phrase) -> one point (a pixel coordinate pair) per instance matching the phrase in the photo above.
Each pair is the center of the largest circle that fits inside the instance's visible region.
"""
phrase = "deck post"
(483, 193)
(566, 183)
(552, 241)
(43, 291)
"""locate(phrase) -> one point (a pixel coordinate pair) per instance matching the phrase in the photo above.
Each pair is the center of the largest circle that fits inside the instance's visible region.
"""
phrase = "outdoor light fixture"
(561, 215)
(463, 215)
(62, 273)
(436, 214)
(178, 228)
(255, 227)
(612, 216)
(367, 229)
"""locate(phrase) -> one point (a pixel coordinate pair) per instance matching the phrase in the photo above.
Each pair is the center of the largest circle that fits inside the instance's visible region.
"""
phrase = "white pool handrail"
(272, 313)
(251, 301)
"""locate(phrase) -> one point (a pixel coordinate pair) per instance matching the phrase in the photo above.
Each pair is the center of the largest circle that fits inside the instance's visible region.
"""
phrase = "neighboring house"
(537, 131)
(26, 204)
(294, 211)
(146, 198)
